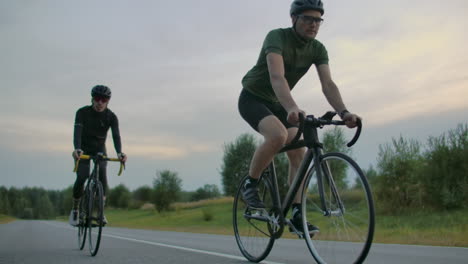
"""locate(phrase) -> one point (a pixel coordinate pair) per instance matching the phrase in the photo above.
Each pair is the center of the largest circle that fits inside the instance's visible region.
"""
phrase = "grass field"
(441, 229)
(215, 217)
(5, 219)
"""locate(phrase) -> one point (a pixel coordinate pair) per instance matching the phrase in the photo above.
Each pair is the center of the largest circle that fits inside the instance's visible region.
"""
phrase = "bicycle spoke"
(253, 232)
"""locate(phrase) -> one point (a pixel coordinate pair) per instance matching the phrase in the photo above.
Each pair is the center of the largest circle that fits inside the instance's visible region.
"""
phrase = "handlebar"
(357, 134)
(89, 157)
(326, 119)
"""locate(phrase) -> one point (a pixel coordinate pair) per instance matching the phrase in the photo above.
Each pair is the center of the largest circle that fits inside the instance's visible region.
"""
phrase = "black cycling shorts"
(253, 109)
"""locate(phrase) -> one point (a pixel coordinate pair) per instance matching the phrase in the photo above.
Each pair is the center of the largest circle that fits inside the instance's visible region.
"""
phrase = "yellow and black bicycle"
(91, 210)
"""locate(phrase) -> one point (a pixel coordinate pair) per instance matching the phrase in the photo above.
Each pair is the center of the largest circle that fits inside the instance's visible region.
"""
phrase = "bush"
(207, 214)
(445, 176)
(398, 184)
(119, 197)
(208, 191)
(167, 187)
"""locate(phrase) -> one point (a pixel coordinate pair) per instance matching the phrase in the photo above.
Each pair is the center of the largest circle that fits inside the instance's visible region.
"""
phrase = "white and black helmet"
(299, 6)
(101, 90)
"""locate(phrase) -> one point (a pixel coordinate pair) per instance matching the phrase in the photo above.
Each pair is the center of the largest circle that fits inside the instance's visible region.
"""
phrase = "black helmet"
(101, 90)
(298, 6)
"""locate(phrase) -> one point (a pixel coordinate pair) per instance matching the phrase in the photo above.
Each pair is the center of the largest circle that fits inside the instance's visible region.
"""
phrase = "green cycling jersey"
(298, 56)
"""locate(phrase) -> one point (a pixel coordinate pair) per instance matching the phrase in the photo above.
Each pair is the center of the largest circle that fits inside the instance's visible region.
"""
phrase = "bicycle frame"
(94, 175)
(311, 160)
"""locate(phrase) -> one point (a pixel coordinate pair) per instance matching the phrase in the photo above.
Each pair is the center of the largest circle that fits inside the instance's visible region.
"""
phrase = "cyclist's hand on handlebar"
(350, 119)
(76, 154)
(293, 115)
(123, 157)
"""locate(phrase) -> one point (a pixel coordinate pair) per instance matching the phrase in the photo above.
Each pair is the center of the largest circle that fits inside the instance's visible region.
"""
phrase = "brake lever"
(329, 115)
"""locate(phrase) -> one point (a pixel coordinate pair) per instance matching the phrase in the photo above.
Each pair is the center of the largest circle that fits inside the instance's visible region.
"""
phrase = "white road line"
(185, 248)
(171, 246)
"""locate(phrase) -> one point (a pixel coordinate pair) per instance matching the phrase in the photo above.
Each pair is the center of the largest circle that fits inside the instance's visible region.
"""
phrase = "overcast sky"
(175, 68)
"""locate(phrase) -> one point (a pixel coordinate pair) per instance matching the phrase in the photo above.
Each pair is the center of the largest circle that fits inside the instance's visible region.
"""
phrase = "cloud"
(398, 69)
(162, 147)
(35, 134)
(42, 135)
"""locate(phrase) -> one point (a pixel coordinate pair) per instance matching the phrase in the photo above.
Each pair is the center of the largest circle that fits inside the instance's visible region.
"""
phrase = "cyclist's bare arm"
(281, 87)
(329, 88)
(333, 95)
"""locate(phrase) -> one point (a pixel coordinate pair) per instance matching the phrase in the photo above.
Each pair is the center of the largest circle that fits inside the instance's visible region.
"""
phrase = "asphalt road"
(56, 242)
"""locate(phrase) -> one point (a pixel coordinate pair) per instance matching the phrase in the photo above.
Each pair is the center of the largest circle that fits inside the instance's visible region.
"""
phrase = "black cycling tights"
(83, 173)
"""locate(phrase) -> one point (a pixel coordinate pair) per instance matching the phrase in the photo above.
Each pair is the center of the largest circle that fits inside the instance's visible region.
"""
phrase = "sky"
(175, 70)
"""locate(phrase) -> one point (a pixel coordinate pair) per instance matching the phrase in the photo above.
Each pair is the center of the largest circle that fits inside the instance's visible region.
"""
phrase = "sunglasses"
(311, 19)
(102, 99)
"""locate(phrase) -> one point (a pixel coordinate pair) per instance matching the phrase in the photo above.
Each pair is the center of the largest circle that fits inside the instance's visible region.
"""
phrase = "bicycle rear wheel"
(347, 223)
(96, 213)
(82, 221)
(254, 229)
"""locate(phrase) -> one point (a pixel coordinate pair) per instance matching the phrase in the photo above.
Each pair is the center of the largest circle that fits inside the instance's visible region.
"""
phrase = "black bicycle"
(91, 210)
(335, 197)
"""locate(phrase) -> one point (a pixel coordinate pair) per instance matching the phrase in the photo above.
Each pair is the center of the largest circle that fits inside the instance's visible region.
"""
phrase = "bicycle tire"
(253, 232)
(346, 230)
(95, 223)
(82, 222)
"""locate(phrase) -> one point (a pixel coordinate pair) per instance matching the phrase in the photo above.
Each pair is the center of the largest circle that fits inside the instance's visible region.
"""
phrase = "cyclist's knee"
(277, 140)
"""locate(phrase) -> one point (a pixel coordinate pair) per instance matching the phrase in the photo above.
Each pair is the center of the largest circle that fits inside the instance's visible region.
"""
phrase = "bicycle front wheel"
(82, 221)
(344, 212)
(96, 213)
(254, 229)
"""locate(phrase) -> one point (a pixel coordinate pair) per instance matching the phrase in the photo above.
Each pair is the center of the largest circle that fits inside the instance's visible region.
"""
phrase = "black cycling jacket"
(91, 129)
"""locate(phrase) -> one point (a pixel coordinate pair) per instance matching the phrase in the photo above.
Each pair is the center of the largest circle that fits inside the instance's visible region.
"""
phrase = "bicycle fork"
(324, 173)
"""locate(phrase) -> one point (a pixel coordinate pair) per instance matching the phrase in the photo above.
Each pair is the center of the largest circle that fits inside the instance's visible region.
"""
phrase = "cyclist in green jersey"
(266, 102)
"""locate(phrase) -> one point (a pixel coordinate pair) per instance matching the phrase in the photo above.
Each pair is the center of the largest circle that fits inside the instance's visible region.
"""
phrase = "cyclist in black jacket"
(91, 126)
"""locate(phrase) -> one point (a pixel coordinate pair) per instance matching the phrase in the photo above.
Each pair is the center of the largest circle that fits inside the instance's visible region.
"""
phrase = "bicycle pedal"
(257, 211)
(257, 214)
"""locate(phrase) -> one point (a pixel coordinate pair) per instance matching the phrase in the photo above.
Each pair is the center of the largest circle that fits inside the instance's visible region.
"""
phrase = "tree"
(236, 162)
(143, 194)
(4, 201)
(167, 186)
(334, 141)
(67, 203)
(18, 202)
(119, 197)
(398, 185)
(371, 175)
(446, 169)
(208, 191)
(43, 208)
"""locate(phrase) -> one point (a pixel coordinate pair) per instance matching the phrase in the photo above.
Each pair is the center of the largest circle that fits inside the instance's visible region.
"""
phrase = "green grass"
(425, 228)
(4, 219)
(420, 228)
(186, 217)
